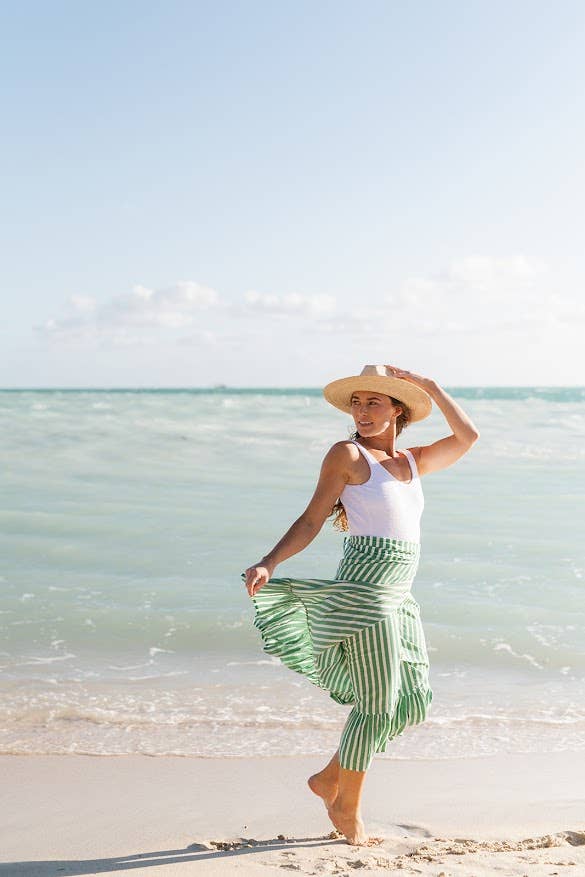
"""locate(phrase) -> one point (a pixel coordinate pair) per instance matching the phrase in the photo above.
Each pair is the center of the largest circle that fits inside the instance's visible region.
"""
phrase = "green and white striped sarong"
(359, 636)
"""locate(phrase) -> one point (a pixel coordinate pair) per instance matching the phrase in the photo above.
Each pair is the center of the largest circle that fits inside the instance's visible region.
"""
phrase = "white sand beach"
(506, 814)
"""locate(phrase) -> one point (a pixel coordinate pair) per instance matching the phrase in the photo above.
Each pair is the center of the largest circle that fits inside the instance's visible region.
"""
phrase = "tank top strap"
(365, 451)
(411, 462)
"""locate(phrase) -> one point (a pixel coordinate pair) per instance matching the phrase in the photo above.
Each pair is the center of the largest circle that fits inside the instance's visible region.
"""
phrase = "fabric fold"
(301, 619)
(359, 636)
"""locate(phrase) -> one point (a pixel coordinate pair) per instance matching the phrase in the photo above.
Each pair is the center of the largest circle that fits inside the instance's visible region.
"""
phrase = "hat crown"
(375, 370)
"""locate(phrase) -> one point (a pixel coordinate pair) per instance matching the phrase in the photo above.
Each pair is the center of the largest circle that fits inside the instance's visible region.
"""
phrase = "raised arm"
(445, 451)
(333, 477)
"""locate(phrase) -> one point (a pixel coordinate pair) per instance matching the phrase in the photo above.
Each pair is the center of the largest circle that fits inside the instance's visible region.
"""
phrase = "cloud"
(123, 319)
(515, 293)
(83, 303)
(144, 315)
(173, 307)
(466, 283)
(292, 304)
(199, 339)
(491, 275)
(177, 306)
(476, 295)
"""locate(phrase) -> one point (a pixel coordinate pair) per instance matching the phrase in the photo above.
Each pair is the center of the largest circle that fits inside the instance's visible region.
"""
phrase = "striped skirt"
(359, 636)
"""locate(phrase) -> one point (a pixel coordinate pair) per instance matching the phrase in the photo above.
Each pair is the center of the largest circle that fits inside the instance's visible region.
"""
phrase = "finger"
(256, 585)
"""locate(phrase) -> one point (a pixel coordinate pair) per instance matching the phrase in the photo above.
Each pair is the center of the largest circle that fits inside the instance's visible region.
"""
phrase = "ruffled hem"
(411, 709)
(365, 734)
(283, 624)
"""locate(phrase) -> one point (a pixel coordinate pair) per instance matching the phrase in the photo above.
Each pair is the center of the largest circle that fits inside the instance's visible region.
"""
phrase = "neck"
(384, 442)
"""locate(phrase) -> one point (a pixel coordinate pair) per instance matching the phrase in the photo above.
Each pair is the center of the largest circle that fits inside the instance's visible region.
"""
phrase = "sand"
(503, 815)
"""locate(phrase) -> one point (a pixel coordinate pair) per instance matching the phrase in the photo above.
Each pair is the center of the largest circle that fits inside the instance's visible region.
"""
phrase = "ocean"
(127, 517)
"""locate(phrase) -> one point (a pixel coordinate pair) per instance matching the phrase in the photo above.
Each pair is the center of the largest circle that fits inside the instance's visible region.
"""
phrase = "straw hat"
(378, 379)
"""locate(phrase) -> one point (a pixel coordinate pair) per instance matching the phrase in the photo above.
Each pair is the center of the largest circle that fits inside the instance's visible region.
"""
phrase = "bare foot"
(324, 788)
(351, 825)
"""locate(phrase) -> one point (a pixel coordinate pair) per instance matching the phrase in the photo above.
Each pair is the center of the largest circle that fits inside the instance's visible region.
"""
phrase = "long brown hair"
(338, 510)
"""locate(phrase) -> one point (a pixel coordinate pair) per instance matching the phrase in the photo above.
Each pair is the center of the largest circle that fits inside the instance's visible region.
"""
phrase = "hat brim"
(338, 393)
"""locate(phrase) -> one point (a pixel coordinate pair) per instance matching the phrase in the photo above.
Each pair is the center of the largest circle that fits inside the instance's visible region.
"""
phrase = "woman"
(359, 635)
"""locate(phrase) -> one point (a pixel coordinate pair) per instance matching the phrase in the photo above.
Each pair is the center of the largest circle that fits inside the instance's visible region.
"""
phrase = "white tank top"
(384, 505)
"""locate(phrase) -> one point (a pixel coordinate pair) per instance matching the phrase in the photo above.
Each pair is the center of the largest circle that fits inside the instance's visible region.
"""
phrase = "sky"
(279, 193)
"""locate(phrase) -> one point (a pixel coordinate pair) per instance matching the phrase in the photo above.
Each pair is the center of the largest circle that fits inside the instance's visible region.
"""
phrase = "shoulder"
(341, 456)
(344, 450)
(337, 469)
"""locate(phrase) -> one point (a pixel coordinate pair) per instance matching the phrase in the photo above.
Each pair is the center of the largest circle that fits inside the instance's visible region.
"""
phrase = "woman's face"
(373, 413)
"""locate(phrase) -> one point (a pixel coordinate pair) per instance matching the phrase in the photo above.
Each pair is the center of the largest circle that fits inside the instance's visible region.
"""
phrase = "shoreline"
(83, 814)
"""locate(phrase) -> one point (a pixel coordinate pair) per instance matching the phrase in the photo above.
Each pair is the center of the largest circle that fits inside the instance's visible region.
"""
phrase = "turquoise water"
(128, 516)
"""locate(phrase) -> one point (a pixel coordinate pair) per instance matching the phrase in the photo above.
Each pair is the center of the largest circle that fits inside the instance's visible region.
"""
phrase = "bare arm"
(332, 479)
(445, 451)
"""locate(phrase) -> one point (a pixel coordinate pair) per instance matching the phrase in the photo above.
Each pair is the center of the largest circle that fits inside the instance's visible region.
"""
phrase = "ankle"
(347, 806)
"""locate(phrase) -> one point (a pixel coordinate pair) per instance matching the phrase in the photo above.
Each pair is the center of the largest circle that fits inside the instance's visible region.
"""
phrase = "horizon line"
(228, 387)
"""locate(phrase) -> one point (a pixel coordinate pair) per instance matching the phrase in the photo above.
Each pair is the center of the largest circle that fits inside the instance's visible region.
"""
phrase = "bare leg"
(345, 810)
(325, 784)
